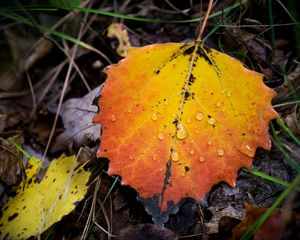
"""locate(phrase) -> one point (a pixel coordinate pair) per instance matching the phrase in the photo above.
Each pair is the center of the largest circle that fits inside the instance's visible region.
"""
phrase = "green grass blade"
(128, 17)
(287, 130)
(53, 32)
(124, 16)
(279, 144)
(269, 178)
(257, 225)
(286, 99)
(17, 146)
(270, 8)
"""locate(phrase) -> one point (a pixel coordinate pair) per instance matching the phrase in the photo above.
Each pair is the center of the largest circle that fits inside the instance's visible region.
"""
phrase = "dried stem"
(203, 25)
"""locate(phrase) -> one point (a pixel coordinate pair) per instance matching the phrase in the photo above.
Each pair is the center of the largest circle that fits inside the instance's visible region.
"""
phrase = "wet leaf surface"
(179, 118)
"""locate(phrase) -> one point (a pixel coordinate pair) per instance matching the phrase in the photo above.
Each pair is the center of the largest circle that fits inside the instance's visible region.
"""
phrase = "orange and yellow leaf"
(178, 118)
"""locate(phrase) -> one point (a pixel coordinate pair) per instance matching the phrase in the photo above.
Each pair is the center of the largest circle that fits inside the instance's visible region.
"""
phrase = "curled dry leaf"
(281, 221)
(77, 115)
(118, 30)
(11, 165)
(178, 118)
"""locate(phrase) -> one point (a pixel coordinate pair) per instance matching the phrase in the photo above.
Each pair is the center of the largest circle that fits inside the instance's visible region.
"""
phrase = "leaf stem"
(203, 25)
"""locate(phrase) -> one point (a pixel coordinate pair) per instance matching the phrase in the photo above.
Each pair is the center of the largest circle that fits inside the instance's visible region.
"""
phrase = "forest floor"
(48, 85)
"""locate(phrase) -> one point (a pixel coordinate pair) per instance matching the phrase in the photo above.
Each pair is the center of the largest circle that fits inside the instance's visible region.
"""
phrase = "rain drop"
(154, 157)
(188, 120)
(160, 136)
(113, 118)
(131, 157)
(211, 120)
(197, 132)
(166, 103)
(201, 159)
(181, 132)
(192, 152)
(221, 152)
(228, 94)
(154, 116)
(175, 156)
(199, 116)
(209, 143)
(129, 111)
(249, 148)
(219, 104)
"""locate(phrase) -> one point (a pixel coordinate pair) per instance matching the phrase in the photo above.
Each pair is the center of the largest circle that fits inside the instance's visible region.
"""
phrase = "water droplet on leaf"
(192, 152)
(201, 159)
(113, 118)
(199, 116)
(188, 120)
(249, 148)
(211, 120)
(219, 104)
(160, 136)
(175, 156)
(181, 132)
(154, 116)
(221, 152)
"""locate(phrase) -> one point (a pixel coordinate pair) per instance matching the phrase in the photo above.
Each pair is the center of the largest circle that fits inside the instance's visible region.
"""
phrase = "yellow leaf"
(118, 30)
(36, 206)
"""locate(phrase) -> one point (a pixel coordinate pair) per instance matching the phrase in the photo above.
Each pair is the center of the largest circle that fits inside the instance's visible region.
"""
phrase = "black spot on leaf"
(12, 217)
(189, 51)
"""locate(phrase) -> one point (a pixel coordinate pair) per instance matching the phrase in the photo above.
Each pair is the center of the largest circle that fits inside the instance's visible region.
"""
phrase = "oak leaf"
(178, 118)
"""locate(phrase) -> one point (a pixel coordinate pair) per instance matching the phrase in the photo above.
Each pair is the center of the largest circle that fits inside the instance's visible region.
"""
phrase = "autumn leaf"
(118, 31)
(273, 228)
(178, 118)
(36, 206)
(78, 130)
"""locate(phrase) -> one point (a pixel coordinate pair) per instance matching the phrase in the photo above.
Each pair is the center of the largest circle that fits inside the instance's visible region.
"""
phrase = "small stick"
(210, 4)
